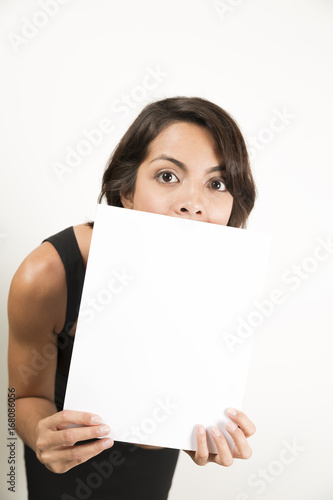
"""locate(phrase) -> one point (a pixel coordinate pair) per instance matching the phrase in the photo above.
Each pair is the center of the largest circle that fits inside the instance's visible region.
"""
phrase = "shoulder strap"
(67, 247)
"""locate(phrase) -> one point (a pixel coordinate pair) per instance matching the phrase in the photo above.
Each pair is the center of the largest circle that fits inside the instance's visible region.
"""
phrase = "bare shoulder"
(42, 271)
(38, 286)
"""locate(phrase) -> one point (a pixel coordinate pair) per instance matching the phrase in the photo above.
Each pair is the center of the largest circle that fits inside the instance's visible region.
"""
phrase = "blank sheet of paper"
(156, 350)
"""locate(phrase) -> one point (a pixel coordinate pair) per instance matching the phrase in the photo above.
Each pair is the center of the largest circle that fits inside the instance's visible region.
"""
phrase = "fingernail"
(232, 412)
(105, 429)
(201, 429)
(216, 431)
(231, 426)
(96, 419)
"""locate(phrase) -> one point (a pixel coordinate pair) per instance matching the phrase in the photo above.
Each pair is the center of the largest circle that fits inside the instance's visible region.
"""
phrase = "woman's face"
(180, 184)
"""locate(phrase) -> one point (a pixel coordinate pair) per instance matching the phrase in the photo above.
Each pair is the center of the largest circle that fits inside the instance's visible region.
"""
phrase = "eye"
(166, 174)
(221, 183)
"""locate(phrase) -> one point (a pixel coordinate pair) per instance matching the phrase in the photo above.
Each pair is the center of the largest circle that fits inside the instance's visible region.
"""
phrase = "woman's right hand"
(55, 443)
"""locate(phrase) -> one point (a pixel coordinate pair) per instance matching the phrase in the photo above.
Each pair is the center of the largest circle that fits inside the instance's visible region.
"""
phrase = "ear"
(126, 200)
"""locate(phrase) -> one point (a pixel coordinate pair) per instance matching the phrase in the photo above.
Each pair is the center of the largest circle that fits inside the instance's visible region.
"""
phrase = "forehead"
(184, 138)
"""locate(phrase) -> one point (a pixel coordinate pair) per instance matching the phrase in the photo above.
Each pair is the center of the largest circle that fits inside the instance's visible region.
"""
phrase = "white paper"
(150, 353)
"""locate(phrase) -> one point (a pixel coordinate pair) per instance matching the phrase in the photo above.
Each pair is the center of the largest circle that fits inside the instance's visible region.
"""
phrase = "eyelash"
(169, 172)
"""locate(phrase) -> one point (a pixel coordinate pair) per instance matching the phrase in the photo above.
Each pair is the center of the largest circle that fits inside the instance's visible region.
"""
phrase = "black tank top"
(124, 471)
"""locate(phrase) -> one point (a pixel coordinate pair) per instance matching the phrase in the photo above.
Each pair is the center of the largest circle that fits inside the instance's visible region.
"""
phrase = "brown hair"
(121, 169)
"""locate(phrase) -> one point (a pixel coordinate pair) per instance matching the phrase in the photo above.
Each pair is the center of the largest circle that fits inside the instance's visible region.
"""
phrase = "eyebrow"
(182, 165)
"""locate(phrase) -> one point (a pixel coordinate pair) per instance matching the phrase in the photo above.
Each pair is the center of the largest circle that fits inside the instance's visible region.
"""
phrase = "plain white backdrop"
(269, 65)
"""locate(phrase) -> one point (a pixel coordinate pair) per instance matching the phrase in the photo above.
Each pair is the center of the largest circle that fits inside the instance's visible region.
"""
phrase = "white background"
(253, 59)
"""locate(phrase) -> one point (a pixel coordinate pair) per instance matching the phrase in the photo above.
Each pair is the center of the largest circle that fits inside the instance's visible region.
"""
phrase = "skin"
(33, 325)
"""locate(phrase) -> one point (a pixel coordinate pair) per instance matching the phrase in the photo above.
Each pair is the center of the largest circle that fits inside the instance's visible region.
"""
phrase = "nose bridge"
(191, 196)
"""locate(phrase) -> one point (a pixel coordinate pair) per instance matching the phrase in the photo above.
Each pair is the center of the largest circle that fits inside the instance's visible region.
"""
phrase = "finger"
(243, 421)
(242, 448)
(224, 456)
(62, 419)
(202, 453)
(62, 459)
(68, 437)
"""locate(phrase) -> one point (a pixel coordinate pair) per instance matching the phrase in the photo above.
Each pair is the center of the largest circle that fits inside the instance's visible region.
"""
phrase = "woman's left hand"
(240, 428)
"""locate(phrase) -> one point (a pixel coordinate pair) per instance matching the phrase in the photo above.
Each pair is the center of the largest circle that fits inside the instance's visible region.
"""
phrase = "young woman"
(182, 157)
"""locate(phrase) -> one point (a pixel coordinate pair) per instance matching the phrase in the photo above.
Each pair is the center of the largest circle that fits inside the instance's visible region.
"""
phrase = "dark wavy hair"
(121, 169)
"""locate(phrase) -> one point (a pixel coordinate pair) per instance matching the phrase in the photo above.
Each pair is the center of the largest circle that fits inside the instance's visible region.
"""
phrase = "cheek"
(221, 214)
(146, 198)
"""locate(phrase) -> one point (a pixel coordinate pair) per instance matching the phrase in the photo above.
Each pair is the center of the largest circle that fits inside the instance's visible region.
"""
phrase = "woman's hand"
(239, 429)
(55, 444)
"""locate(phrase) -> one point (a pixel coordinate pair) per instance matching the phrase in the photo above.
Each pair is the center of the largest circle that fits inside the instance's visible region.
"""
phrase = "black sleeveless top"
(124, 471)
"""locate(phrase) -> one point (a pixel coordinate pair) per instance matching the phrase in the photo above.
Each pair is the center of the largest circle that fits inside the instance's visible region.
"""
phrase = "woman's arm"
(32, 305)
(35, 304)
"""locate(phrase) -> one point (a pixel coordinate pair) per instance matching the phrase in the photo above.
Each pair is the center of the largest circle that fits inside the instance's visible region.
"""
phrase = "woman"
(182, 157)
